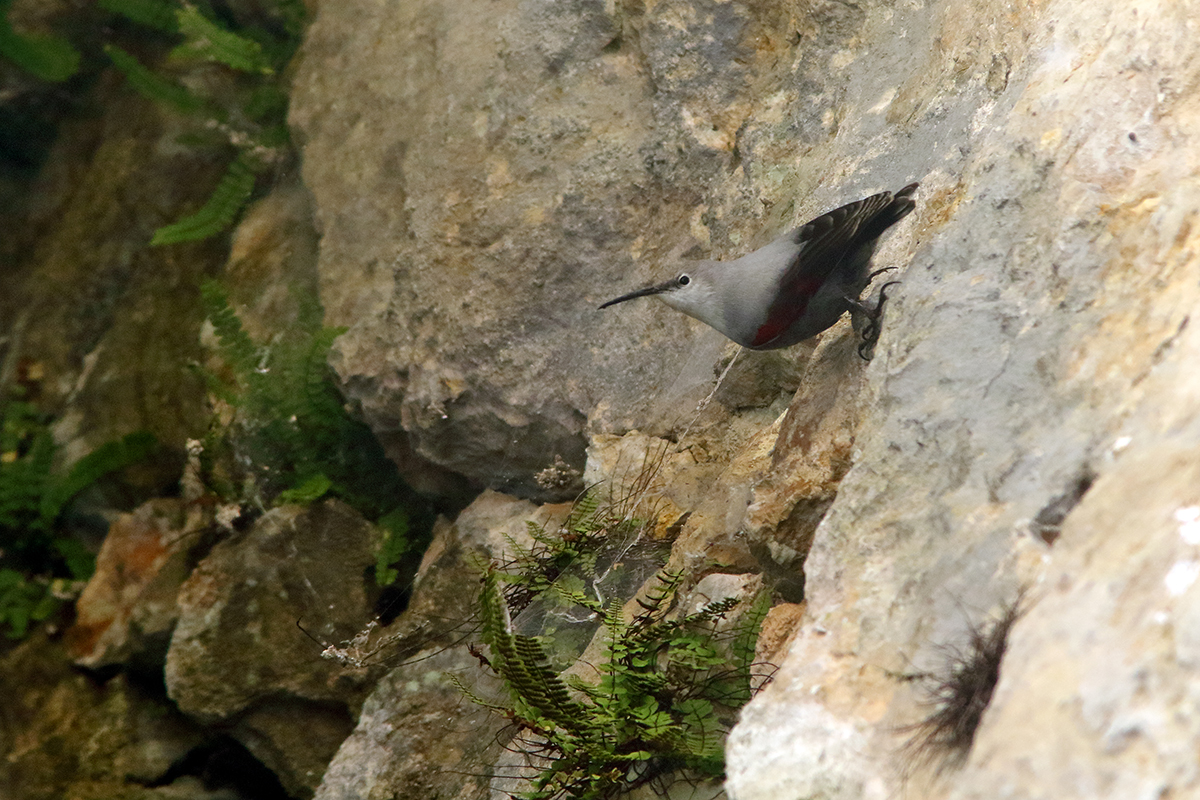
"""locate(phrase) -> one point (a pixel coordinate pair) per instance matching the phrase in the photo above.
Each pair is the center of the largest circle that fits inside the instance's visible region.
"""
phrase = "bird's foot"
(869, 317)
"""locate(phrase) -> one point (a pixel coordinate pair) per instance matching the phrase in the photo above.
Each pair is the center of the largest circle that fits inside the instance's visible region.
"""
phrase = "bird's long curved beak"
(658, 288)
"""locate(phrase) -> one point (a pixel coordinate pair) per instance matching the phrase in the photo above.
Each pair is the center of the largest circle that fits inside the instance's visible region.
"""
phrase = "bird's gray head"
(691, 291)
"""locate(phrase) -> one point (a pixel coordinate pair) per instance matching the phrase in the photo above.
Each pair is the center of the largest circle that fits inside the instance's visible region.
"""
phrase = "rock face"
(107, 321)
(484, 175)
(483, 179)
(65, 735)
(238, 655)
(127, 612)
(417, 735)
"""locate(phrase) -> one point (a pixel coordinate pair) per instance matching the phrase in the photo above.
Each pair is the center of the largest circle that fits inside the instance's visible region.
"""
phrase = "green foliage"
(238, 96)
(23, 601)
(208, 40)
(395, 546)
(668, 688)
(250, 111)
(218, 213)
(312, 490)
(154, 86)
(106, 458)
(33, 499)
(159, 15)
(293, 436)
(50, 58)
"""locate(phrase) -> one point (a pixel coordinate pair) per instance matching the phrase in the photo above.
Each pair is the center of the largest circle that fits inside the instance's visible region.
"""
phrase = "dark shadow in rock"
(224, 763)
(1047, 525)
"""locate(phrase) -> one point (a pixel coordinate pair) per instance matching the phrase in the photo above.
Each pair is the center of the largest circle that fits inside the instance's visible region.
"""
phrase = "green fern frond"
(735, 688)
(24, 479)
(715, 610)
(207, 40)
(23, 601)
(663, 677)
(395, 545)
(236, 346)
(218, 213)
(582, 518)
(521, 556)
(50, 58)
(39, 562)
(542, 686)
(319, 401)
(658, 598)
(156, 14)
(614, 621)
(493, 616)
(310, 491)
(749, 626)
(572, 596)
(154, 86)
(105, 459)
(474, 698)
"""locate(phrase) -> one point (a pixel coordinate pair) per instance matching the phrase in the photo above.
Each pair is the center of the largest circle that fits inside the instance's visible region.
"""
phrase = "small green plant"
(292, 440)
(669, 682)
(48, 57)
(248, 112)
(219, 212)
(37, 558)
(212, 65)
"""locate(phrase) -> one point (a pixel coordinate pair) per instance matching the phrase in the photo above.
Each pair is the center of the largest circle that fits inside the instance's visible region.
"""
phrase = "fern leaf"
(394, 546)
(311, 490)
(236, 345)
(717, 609)
(209, 41)
(321, 402)
(658, 598)
(23, 482)
(218, 213)
(493, 615)
(737, 689)
(543, 686)
(156, 14)
(79, 560)
(50, 58)
(749, 626)
(108, 457)
(152, 85)
(576, 597)
(582, 518)
(23, 601)
(474, 698)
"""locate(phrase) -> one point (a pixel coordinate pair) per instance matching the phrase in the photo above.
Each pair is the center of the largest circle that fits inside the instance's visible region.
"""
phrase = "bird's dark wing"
(830, 238)
(824, 244)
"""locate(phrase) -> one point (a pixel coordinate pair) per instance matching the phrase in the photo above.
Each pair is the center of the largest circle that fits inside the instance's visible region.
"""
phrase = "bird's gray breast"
(755, 285)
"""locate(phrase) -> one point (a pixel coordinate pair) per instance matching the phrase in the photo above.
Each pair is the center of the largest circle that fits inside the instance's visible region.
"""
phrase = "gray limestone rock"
(128, 609)
(1029, 418)
(239, 655)
(484, 179)
(65, 734)
(418, 735)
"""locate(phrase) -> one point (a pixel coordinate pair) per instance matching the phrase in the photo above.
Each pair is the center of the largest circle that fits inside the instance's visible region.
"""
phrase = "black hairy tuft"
(959, 695)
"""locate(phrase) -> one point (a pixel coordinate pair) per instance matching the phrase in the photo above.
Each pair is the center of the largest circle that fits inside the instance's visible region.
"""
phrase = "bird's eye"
(683, 280)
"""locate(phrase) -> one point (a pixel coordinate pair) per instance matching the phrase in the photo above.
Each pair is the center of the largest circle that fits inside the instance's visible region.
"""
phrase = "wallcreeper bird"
(795, 287)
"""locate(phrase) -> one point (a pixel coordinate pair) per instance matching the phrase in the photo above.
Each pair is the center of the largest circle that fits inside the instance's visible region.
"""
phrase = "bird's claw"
(873, 315)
